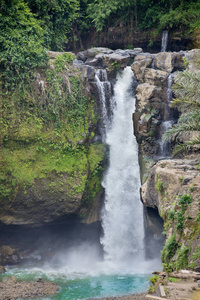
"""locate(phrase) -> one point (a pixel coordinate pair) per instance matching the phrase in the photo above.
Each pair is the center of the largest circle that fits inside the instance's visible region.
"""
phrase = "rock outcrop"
(152, 72)
(52, 171)
(173, 187)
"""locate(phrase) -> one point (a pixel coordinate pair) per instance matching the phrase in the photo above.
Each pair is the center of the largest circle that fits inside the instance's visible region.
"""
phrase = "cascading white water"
(164, 41)
(167, 124)
(123, 213)
(104, 90)
(169, 88)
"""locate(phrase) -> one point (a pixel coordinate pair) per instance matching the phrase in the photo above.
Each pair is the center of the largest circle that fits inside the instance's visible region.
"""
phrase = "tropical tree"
(187, 93)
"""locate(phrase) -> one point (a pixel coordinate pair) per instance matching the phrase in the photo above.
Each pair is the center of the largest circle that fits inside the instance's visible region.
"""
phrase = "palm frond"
(186, 146)
(187, 84)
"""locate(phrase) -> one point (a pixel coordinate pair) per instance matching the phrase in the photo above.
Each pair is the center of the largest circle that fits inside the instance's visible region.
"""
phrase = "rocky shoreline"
(10, 288)
(127, 297)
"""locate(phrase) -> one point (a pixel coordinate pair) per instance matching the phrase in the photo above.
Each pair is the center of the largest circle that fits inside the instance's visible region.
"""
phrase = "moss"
(169, 249)
(47, 131)
(159, 186)
(93, 186)
(182, 258)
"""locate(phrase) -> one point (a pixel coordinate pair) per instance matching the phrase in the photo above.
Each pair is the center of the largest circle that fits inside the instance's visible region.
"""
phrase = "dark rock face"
(28, 245)
(121, 37)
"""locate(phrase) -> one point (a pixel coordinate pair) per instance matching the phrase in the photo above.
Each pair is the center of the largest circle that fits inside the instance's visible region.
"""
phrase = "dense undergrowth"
(64, 23)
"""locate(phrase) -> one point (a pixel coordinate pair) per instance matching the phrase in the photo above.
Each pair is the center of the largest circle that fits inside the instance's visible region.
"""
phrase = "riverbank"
(10, 288)
(128, 297)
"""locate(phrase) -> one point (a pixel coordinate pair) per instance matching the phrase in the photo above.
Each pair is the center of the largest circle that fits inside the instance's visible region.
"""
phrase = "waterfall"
(169, 88)
(106, 105)
(122, 218)
(164, 41)
(167, 124)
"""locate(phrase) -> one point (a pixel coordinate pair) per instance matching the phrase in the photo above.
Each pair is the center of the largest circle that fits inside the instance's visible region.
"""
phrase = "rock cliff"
(50, 165)
(172, 187)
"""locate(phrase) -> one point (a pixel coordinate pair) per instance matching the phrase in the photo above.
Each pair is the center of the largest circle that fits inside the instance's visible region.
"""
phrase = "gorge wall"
(173, 184)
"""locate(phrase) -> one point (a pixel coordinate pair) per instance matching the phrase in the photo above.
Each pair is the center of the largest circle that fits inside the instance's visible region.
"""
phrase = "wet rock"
(113, 60)
(88, 72)
(77, 62)
(81, 56)
(95, 62)
(2, 270)
(8, 256)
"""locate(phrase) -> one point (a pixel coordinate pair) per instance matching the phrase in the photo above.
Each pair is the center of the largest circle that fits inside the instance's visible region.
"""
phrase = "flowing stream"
(80, 270)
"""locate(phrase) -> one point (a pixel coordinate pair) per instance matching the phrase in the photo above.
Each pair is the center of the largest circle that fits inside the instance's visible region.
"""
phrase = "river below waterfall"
(80, 270)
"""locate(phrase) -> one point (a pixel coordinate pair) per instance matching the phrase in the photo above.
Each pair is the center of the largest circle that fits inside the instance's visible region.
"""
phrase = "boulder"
(192, 57)
(77, 62)
(155, 77)
(8, 256)
(151, 95)
(113, 60)
(169, 61)
(169, 178)
(81, 56)
(141, 62)
(138, 50)
(88, 72)
(95, 62)
(2, 270)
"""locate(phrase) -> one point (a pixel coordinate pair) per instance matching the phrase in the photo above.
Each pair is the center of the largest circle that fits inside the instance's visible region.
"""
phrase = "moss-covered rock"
(48, 161)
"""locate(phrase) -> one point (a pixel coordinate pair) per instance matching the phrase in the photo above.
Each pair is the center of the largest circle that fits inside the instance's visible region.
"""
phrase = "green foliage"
(179, 216)
(20, 43)
(151, 289)
(115, 66)
(181, 17)
(185, 200)
(198, 217)
(169, 249)
(172, 279)
(186, 89)
(171, 214)
(154, 279)
(159, 186)
(182, 258)
(56, 18)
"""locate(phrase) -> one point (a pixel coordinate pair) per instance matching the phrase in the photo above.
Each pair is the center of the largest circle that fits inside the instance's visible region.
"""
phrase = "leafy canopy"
(21, 38)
